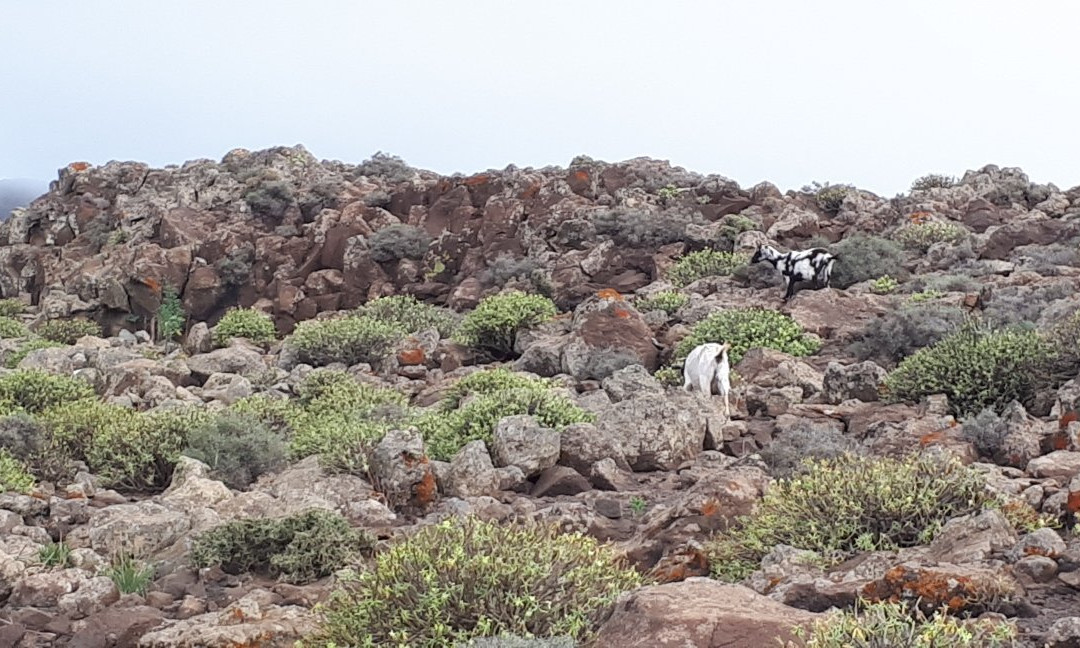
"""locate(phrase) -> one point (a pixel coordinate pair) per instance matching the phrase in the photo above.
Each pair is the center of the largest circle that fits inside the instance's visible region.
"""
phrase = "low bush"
(388, 167)
(12, 328)
(33, 390)
(235, 267)
(944, 283)
(788, 451)
(668, 301)
(888, 625)
(55, 554)
(495, 394)
(1064, 340)
(643, 228)
(270, 199)
(906, 329)
(351, 340)
(511, 641)
(920, 236)
(861, 258)
(850, 503)
(829, 197)
(11, 306)
(705, 263)
(26, 348)
(237, 448)
(131, 576)
(398, 241)
(21, 435)
(68, 331)
(933, 181)
(495, 322)
(506, 267)
(297, 549)
(410, 315)
(247, 323)
(1024, 305)
(465, 579)
(883, 285)
(976, 367)
(745, 329)
(14, 474)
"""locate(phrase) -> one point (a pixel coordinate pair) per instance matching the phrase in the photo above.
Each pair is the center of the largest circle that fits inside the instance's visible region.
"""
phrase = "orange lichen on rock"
(710, 507)
(932, 588)
(153, 284)
(610, 293)
(1072, 504)
(79, 166)
(476, 180)
(411, 357)
(688, 562)
(530, 191)
(581, 176)
(426, 490)
(932, 438)
(621, 313)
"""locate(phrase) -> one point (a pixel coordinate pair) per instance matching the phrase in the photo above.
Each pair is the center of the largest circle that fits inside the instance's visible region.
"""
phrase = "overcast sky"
(870, 93)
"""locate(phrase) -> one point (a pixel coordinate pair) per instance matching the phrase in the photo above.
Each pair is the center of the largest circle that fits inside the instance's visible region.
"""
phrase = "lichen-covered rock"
(522, 442)
(861, 381)
(658, 431)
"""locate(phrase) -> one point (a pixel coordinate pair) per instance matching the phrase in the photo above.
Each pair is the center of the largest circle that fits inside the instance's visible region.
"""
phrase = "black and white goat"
(814, 265)
(707, 367)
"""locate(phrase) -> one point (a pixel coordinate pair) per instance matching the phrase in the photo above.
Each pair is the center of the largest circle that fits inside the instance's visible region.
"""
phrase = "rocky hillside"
(447, 408)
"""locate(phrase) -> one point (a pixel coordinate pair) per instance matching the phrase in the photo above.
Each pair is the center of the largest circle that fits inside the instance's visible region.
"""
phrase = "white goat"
(814, 265)
(707, 367)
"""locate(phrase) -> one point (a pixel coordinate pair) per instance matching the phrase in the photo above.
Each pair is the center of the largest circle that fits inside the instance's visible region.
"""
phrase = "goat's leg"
(727, 408)
(790, 289)
(705, 383)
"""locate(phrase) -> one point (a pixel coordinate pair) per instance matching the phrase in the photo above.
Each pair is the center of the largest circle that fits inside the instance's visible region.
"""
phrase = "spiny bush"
(245, 323)
(1064, 340)
(26, 348)
(861, 258)
(237, 448)
(506, 267)
(271, 199)
(33, 390)
(904, 330)
(495, 394)
(235, 267)
(410, 315)
(11, 306)
(920, 236)
(12, 328)
(389, 167)
(933, 181)
(894, 625)
(68, 331)
(351, 340)
(944, 283)
(495, 322)
(464, 579)
(398, 241)
(513, 641)
(976, 367)
(745, 329)
(668, 301)
(829, 197)
(21, 435)
(1024, 305)
(643, 228)
(297, 549)
(786, 454)
(14, 475)
(851, 503)
(705, 263)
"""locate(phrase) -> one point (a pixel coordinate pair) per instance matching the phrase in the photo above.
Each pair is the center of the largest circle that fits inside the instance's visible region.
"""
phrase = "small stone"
(608, 507)
(560, 480)
(1064, 633)
(160, 600)
(1038, 569)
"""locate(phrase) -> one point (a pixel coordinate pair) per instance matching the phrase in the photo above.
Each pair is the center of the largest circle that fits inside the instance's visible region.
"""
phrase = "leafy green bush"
(26, 348)
(33, 390)
(12, 328)
(496, 320)
(410, 315)
(350, 340)
(883, 285)
(921, 236)
(893, 625)
(244, 323)
(668, 301)
(496, 394)
(904, 330)
(170, 314)
(297, 548)
(745, 329)
(933, 181)
(464, 579)
(398, 241)
(861, 258)
(705, 263)
(851, 503)
(68, 331)
(237, 448)
(14, 475)
(976, 367)
(11, 306)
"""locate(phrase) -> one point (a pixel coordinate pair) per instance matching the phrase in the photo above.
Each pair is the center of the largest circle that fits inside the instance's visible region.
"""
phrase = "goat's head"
(724, 348)
(764, 253)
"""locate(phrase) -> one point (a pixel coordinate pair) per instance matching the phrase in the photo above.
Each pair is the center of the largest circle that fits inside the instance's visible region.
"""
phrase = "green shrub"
(925, 296)
(976, 367)
(235, 267)
(270, 200)
(933, 181)
(894, 625)
(14, 475)
(131, 576)
(248, 323)
(465, 579)
(883, 285)
(512, 641)
(68, 331)
(55, 554)
(920, 236)
(904, 330)
(669, 376)
(496, 394)
(11, 306)
(237, 448)
(33, 390)
(850, 503)
(350, 340)
(398, 241)
(495, 322)
(745, 329)
(861, 258)
(786, 453)
(410, 315)
(170, 314)
(668, 301)
(297, 548)
(26, 348)
(12, 328)
(388, 167)
(705, 263)
(829, 197)
(641, 228)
